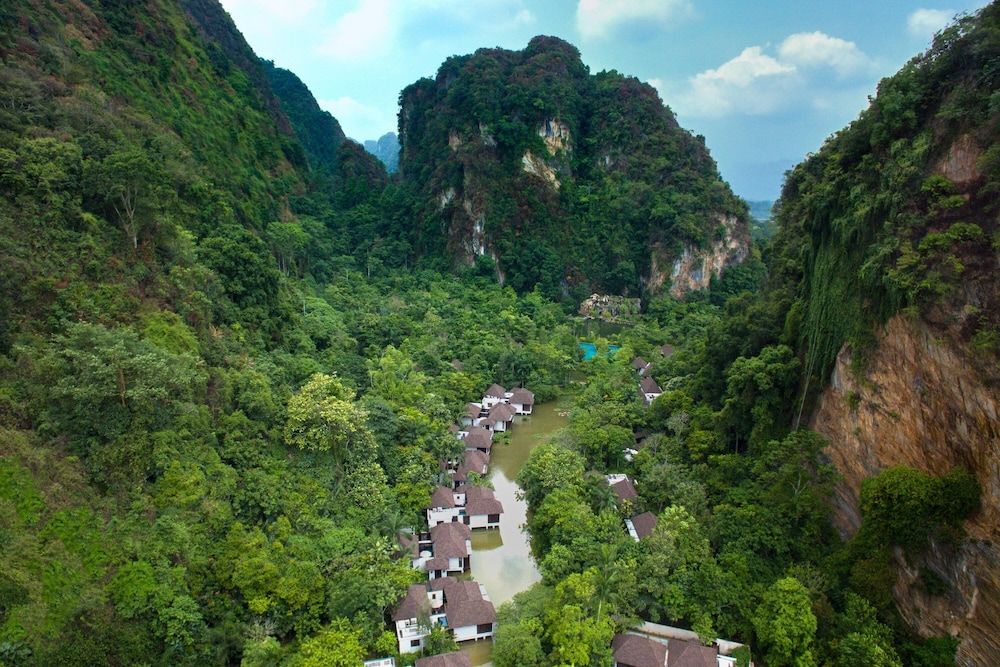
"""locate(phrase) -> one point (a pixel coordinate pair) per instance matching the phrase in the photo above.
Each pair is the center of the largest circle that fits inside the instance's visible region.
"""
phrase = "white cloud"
(374, 27)
(751, 83)
(285, 11)
(361, 33)
(795, 74)
(524, 17)
(925, 22)
(817, 49)
(599, 18)
(359, 120)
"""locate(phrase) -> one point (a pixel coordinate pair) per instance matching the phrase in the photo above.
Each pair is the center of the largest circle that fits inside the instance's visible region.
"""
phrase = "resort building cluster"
(458, 506)
(461, 504)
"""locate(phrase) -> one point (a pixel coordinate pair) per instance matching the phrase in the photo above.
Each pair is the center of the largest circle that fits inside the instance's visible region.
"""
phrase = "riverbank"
(501, 559)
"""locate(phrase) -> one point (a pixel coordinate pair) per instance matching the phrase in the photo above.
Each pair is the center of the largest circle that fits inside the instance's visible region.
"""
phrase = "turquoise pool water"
(590, 350)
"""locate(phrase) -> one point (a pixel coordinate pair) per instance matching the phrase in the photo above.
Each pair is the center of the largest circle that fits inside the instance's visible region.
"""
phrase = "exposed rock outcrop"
(556, 136)
(695, 267)
(535, 165)
(609, 307)
(476, 244)
(921, 403)
(959, 165)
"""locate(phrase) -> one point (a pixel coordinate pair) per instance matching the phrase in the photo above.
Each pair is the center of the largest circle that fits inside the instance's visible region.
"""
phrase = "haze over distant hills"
(386, 149)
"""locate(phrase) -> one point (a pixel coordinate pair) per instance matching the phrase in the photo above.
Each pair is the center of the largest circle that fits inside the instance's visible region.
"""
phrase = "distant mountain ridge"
(762, 225)
(386, 149)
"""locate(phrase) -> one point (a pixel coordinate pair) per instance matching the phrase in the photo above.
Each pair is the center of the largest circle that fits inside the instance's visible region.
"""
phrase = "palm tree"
(609, 577)
(393, 524)
(601, 496)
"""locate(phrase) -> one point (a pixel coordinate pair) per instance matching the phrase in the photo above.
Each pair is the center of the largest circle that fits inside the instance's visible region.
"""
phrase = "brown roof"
(454, 428)
(470, 612)
(496, 391)
(639, 363)
(442, 497)
(636, 651)
(624, 490)
(436, 563)
(691, 654)
(481, 500)
(473, 410)
(457, 590)
(456, 659)
(450, 528)
(522, 396)
(644, 524)
(667, 350)
(412, 604)
(502, 412)
(478, 438)
(449, 540)
(649, 385)
(475, 461)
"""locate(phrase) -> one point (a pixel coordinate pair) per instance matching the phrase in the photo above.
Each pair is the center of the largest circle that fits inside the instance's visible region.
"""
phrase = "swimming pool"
(590, 350)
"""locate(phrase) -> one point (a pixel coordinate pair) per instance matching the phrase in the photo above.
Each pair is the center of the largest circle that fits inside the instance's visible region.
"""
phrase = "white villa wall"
(409, 631)
(481, 521)
(469, 633)
(443, 515)
(490, 401)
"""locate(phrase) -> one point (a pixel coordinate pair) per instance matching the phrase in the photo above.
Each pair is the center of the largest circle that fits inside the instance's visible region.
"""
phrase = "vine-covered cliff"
(898, 310)
(573, 181)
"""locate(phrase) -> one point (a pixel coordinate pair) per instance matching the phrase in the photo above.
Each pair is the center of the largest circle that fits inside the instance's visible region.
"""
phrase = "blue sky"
(765, 82)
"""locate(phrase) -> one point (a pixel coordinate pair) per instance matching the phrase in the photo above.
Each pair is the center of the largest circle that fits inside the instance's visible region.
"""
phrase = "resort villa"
(454, 659)
(641, 525)
(654, 645)
(649, 389)
(461, 606)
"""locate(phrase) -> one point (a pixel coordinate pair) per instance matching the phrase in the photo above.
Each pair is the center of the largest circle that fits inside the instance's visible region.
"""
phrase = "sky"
(764, 81)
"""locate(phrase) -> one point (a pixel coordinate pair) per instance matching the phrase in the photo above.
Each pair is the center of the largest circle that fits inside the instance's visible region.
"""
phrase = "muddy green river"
(501, 559)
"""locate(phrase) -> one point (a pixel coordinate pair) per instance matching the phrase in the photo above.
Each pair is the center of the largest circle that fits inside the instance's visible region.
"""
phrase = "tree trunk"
(121, 386)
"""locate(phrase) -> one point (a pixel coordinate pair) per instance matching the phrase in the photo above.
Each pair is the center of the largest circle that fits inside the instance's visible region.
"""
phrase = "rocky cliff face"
(921, 403)
(386, 149)
(894, 223)
(695, 267)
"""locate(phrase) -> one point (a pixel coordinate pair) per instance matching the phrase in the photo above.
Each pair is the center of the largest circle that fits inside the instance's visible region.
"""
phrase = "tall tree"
(786, 625)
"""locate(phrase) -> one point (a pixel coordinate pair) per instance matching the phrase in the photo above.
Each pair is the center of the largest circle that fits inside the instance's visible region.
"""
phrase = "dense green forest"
(231, 351)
